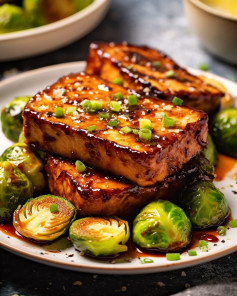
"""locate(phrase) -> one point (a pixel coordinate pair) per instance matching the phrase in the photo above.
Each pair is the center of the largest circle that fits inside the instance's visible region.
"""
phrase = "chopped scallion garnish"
(156, 64)
(130, 67)
(96, 105)
(173, 256)
(126, 129)
(59, 112)
(132, 100)
(167, 121)
(91, 105)
(169, 73)
(104, 115)
(91, 128)
(146, 260)
(221, 230)
(203, 246)
(192, 253)
(145, 134)
(113, 122)
(144, 122)
(118, 81)
(177, 101)
(203, 66)
(115, 106)
(118, 96)
(53, 208)
(80, 166)
(70, 110)
(233, 223)
(135, 131)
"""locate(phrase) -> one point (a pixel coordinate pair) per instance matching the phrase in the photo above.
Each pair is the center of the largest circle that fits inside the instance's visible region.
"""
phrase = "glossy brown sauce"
(225, 164)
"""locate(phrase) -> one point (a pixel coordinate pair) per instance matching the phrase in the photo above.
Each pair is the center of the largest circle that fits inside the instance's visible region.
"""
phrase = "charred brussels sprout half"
(15, 189)
(100, 236)
(28, 162)
(163, 226)
(204, 204)
(223, 129)
(44, 218)
(11, 118)
(210, 152)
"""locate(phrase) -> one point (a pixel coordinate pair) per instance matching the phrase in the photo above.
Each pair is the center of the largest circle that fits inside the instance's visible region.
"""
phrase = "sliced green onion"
(113, 122)
(135, 131)
(156, 64)
(91, 128)
(59, 112)
(146, 90)
(96, 105)
(126, 129)
(177, 101)
(86, 105)
(118, 81)
(192, 253)
(148, 127)
(70, 110)
(233, 223)
(129, 67)
(144, 122)
(203, 66)
(173, 256)
(221, 230)
(115, 106)
(118, 96)
(104, 115)
(169, 73)
(80, 166)
(167, 121)
(53, 208)
(146, 260)
(145, 134)
(132, 100)
(203, 246)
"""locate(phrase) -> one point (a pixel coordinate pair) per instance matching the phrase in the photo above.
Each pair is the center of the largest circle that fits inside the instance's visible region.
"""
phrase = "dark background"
(161, 24)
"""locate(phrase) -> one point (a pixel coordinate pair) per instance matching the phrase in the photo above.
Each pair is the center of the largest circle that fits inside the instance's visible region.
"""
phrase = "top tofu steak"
(142, 68)
(107, 148)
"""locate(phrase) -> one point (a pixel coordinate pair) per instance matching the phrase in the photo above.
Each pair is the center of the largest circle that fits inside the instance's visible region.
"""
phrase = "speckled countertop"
(160, 24)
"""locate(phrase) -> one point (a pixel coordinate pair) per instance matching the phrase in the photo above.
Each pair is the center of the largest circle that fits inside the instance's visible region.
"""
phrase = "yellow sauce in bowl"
(227, 6)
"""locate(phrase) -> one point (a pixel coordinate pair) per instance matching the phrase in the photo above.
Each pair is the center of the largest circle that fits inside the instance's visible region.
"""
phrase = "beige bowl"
(216, 29)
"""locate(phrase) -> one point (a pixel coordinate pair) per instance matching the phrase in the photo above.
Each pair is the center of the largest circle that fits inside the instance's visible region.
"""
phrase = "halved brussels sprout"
(210, 152)
(163, 226)
(223, 130)
(44, 218)
(28, 162)
(100, 236)
(204, 204)
(11, 118)
(13, 18)
(15, 189)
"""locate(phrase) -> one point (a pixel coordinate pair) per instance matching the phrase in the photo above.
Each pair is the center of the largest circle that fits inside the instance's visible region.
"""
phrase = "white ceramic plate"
(49, 37)
(31, 82)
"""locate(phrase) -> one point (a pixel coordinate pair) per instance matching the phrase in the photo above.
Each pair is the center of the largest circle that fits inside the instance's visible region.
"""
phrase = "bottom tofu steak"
(148, 70)
(96, 193)
(140, 138)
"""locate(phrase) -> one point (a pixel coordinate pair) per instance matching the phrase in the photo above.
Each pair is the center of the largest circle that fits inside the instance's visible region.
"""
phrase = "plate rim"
(115, 269)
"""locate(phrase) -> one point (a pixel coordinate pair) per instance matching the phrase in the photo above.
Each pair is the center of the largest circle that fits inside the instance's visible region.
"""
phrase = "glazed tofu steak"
(97, 193)
(148, 70)
(84, 117)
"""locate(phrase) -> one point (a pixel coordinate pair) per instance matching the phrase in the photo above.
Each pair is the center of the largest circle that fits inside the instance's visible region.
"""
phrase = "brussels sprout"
(13, 18)
(223, 129)
(210, 152)
(44, 218)
(11, 118)
(204, 204)
(28, 162)
(15, 189)
(100, 236)
(163, 226)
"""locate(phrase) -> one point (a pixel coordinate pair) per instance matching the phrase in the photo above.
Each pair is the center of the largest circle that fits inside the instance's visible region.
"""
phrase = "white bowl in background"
(217, 30)
(27, 43)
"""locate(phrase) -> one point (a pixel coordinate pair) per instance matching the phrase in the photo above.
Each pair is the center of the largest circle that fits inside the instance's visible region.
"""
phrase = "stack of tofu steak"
(117, 118)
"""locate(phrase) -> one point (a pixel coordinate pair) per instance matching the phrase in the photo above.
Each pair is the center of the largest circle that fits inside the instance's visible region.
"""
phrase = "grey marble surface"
(161, 24)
